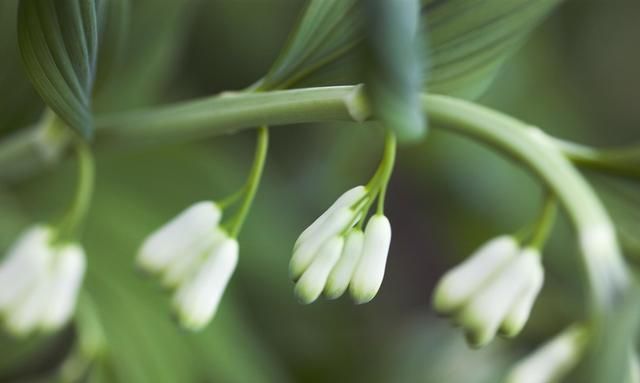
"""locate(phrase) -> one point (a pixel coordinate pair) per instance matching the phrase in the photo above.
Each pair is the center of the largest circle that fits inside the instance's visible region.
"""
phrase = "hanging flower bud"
(494, 290)
(26, 262)
(369, 272)
(196, 300)
(310, 285)
(347, 199)
(339, 217)
(39, 282)
(340, 276)
(66, 278)
(179, 236)
(552, 361)
(458, 284)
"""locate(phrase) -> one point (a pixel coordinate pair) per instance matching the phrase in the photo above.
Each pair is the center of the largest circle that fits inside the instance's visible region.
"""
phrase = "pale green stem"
(251, 187)
(544, 223)
(69, 227)
(388, 161)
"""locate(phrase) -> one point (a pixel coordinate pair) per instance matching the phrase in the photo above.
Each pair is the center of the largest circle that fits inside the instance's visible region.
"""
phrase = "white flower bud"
(369, 272)
(185, 265)
(340, 276)
(310, 285)
(333, 225)
(24, 317)
(176, 238)
(553, 360)
(196, 301)
(346, 200)
(66, 279)
(519, 313)
(26, 262)
(457, 285)
(488, 307)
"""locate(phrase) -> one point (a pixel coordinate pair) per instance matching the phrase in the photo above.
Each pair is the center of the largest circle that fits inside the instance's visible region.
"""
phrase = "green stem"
(388, 161)
(623, 161)
(251, 187)
(69, 227)
(545, 222)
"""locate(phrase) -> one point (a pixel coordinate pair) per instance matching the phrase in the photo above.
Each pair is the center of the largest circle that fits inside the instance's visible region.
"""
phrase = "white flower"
(339, 217)
(197, 299)
(190, 230)
(25, 263)
(340, 276)
(492, 291)
(552, 361)
(195, 257)
(66, 278)
(39, 282)
(312, 282)
(369, 272)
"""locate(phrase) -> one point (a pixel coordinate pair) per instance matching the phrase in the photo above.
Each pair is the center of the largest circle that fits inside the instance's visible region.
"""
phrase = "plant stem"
(545, 221)
(69, 227)
(251, 187)
(388, 161)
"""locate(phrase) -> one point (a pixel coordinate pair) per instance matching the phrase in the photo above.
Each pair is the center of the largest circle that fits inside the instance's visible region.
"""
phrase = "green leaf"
(21, 105)
(114, 17)
(58, 40)
(467, 42)
(394, 65)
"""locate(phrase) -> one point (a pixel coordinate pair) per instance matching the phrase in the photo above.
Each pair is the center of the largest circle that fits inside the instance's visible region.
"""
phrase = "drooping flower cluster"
(493, 291)
(39, 282)
(333, 255)
(195, 258)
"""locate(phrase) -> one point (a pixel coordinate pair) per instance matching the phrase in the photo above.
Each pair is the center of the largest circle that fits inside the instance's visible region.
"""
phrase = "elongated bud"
(457, 285)
(66, 279)
(186, 264)
(303, 255)
(487, 309)
(346, 200)
(369, 272)
(25, 316)
(196, 301)
(310, 285)
(26, 262)
(340, 276)
(175, 238)
(553, 360)
(519, 313)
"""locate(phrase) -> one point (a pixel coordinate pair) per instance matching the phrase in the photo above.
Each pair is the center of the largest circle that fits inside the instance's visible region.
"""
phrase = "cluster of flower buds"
(493, 291)
(195, 258)
(39, 282)
(333, 255)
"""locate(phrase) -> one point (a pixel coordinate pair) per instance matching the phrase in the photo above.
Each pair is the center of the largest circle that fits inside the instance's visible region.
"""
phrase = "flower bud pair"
(195, 258)
(39, 282)
(494, 290)
(330, 256)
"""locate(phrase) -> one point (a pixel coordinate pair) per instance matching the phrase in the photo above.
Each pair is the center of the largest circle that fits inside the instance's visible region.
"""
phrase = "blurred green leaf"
(394, 73)
(327, 30)
(21, 105)
(466, 40)
(59, 44)
(151, 50)
(113, 32)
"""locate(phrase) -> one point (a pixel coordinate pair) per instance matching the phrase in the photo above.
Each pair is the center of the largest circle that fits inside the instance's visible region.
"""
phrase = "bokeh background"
(576, 77)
